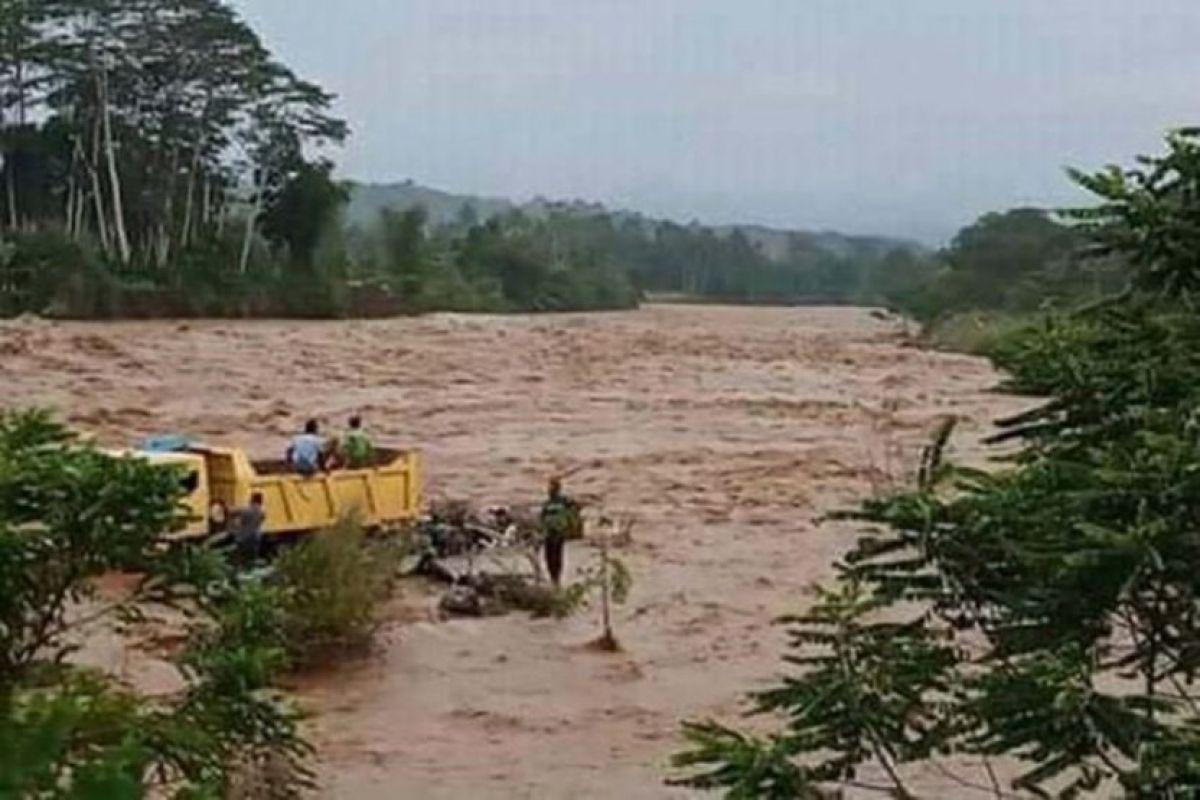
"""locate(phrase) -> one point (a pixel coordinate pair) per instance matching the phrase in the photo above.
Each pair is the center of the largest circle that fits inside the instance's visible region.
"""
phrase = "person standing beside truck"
(247, 531)
(357, 450)
(306, 454)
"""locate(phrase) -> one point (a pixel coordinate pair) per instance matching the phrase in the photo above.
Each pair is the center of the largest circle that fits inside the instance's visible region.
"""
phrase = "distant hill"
(775, 242)
(368, 199)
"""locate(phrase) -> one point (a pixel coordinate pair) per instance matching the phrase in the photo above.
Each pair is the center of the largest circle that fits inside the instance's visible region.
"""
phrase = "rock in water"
(461, 601)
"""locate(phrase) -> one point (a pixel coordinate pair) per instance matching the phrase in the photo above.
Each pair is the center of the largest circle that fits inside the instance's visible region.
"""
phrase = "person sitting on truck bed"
(332, 456)
(357, 449)
(306, 454)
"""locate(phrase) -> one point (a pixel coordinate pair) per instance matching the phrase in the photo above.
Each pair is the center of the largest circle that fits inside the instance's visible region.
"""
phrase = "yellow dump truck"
(218, 480)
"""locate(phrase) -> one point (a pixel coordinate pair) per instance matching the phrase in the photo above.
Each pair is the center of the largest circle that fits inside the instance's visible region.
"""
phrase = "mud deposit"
(727, 432)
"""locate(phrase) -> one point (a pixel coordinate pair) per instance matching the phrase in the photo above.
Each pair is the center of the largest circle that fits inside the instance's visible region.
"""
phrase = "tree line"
(157, 158)
(1011, 262)
(567, 255)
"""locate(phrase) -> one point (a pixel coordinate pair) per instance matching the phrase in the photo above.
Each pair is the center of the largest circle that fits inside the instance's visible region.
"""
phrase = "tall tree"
(156, 97)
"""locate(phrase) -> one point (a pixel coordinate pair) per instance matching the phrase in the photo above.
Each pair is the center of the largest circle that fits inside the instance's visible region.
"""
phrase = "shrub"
(1040, 356)
(52, 273)
(69, 514)
(977, 332)
(332, 584)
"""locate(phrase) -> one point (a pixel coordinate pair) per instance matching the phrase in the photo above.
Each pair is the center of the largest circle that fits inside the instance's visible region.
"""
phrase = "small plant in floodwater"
(612, 579)
(605, 575)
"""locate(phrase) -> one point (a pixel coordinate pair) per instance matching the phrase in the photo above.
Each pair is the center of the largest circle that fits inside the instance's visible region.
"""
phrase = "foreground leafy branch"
(1044, 614)
(68, 515)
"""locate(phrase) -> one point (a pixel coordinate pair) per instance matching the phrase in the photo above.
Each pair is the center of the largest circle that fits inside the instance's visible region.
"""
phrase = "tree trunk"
(10, 189)
(205, 203)
(185, 232)
(207, 206)
(69, 211)
(77, 191)
(98, 191)
(605, 589)
(14, 215)
(167, 223)
(19, 76)
(114, 177)
(11, 192)
(248, 238)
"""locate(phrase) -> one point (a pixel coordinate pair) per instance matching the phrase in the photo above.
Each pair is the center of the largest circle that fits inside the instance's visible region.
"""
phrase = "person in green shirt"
(560, 521)
(357, 449)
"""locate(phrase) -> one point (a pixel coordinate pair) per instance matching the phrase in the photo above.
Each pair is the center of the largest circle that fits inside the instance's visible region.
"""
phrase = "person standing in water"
(560, 516)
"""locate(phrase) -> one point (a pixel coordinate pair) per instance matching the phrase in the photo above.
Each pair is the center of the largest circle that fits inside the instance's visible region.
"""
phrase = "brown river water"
(726, 432)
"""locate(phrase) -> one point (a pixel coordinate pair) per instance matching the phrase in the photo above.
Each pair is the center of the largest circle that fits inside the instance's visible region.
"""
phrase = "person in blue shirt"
(306, 454)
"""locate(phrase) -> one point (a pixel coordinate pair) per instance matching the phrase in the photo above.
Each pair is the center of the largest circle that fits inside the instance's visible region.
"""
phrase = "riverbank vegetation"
(1038, 619)
(82, 566)
(70, 516)
(159, 160)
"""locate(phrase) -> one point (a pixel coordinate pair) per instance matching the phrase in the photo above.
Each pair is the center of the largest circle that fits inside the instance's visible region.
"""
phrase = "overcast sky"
(904, 117)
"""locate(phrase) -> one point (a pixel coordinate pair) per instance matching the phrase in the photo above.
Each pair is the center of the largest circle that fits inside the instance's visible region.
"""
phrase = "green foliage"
(53, 272)
(865, 695)
(547, 601)
(130, 132)
(1041, 356)
(741, 766)
(330, 587)
(403, 247)
(1046, 611)
(1004, 265)
(991, 259)
(55, 275)
(69, 514)
(612, 580)
(82, 724)
(508, 264)
(233, 725)
(306, 205)
(978, 332)
(1147, 216)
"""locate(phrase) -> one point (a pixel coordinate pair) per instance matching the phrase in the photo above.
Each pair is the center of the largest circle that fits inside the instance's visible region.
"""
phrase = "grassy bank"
(979, 333)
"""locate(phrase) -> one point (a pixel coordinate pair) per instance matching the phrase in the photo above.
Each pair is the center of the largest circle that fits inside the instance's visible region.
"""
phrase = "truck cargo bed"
(385, 493)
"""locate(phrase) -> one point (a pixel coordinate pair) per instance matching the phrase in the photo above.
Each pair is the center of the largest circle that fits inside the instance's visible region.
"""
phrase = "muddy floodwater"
(726, 432)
